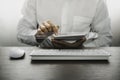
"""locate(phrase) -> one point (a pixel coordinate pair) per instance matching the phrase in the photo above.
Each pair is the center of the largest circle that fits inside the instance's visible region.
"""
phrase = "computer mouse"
(16, 53)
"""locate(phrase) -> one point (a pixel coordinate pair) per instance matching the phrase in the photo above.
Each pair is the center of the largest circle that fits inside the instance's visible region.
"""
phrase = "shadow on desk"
(70, 62)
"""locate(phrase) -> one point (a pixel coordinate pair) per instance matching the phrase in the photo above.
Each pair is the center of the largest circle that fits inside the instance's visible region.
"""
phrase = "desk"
(26, 69)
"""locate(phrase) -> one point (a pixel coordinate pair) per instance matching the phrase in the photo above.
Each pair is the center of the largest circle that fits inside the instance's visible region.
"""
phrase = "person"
(46, 17)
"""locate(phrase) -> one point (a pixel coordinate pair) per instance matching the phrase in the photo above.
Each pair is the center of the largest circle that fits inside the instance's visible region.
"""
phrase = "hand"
(47, 27)
(60, 44)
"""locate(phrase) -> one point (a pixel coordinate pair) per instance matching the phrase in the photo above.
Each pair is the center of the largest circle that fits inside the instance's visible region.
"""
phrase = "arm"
(27, 27)
(101, 26)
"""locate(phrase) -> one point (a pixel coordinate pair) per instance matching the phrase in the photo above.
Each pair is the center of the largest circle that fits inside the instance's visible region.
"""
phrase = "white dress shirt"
(73, 16)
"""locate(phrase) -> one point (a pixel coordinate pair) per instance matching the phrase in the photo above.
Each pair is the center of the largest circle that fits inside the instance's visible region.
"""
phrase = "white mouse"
(16, 53)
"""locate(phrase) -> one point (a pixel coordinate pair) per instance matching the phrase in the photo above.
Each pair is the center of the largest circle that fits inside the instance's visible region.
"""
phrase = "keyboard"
(70, 54)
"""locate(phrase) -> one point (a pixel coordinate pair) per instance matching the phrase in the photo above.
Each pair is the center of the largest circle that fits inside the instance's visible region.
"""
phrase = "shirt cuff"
(89, 39)
(33, 38)
(91, 36)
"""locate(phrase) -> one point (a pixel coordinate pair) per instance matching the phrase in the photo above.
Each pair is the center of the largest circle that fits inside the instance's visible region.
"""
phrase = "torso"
(73, 16)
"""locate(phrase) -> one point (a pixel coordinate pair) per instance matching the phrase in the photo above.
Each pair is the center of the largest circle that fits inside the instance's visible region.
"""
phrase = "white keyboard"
(74, 54)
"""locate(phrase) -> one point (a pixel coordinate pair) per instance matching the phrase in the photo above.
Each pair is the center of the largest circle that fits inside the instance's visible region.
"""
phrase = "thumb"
(55, 29)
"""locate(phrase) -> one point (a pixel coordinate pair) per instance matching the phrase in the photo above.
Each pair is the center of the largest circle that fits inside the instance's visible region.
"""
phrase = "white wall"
(10, 15)
(114, 11)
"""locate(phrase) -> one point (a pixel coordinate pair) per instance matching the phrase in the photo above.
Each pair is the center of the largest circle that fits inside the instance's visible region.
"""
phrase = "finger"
(58, 42)
(43, 28)
(63, 43)
(49, 22)
(48, 26)
(55, 29)
(80, 42)
(57, 45)
(81, 39)
(39, 31)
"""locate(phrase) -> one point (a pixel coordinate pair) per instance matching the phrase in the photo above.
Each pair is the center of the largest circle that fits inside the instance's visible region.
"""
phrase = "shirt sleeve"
(101, 26)
(27, 26)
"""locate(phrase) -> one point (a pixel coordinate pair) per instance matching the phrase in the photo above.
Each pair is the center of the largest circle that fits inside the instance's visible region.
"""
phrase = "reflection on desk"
(26, 69)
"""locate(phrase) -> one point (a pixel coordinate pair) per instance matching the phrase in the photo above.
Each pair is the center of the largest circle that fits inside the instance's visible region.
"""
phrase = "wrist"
(40, 38)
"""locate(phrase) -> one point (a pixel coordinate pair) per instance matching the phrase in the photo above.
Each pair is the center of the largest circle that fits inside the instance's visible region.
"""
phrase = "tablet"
(67, 37)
